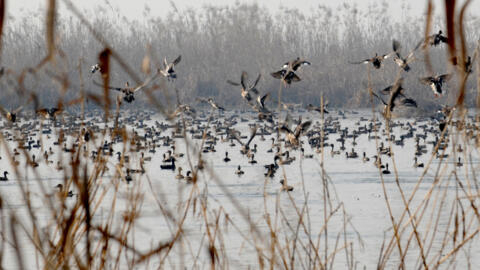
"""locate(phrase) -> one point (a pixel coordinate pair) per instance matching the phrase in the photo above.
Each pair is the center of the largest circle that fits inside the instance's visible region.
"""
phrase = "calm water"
(353, 182)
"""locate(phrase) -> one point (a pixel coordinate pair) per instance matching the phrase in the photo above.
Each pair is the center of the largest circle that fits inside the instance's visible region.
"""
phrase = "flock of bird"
(220, 128)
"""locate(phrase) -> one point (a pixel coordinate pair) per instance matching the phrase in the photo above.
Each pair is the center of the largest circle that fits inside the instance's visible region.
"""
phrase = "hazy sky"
(133, 8)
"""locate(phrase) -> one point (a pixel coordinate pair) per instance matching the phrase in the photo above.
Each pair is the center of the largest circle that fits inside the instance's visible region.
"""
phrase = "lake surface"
(242, 205)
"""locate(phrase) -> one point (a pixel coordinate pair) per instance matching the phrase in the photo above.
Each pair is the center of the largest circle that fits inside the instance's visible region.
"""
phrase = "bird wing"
(243, 79)
(301, 128)
(256, 81)
(144, 84)
(426, 80)
(396, 45)
(279, 74)
(17, 110)
(366, 61)
(253, 132)
(409, 102)
(262, 99)
(233, 83)
(398, 60)
(300, 62)
(176, 61)
(120, 89)
(295, 78)
(444, 77)
(381, 99)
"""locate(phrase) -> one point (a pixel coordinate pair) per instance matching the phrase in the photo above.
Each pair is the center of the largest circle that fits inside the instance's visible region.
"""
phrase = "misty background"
(219, 42)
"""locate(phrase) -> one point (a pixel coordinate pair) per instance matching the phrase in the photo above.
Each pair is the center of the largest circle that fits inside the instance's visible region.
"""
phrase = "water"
(253, 199)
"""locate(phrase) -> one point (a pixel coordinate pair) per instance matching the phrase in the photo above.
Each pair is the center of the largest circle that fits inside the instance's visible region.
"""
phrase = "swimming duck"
(386, 171)
(226, 159)
(416, 164)
(239, 171)
(4, 177)
(285, 187)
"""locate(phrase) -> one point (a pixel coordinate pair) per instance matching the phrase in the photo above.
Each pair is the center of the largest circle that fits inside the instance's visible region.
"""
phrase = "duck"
(128, 91)
(376, 60)
(168, 166)
(188, 177)
(386, 171)
(399, 60)
(179, 176)
(252, 160)
(287, 73)
(4, 177)
(226, 159)
(459, 163)
(69, 194)
(437, 39)
(436, 82)
(34, 163)
(285, 187)
(416, 164)
(128, 177)
(239, 171)
(168, 68)
(365, 158)
(246, 89)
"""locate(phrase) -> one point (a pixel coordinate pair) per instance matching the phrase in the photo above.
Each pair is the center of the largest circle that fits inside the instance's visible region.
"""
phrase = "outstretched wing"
(444, 77)
(279, 74)
(256, 81)
(243, 79)
(366, 61)
(233, 83)
(147, 82)
(426, 80)
(176, 61)
(381, 99)
(253, 132)
(301, 128)
(120, 89)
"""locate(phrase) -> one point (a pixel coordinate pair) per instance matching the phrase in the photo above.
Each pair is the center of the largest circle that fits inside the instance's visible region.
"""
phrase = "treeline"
(217, 43)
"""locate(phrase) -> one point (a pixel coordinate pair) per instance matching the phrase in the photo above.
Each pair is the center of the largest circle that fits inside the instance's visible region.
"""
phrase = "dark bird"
(49, 112)
(128, 92)
(11, 115)
(376, 60)
(168, 68)
(246, 89)
(287, 73)
(245, 146)
(95, 68)
(436, 83)
(396, 98)
(399, 60)
(292, 136)
(310, 107)
(436, 39)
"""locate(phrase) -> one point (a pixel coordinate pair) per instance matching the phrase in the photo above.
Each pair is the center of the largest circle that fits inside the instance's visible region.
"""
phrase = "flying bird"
(168, 68)
(293, 136)
(246, 89)
(399, 60)
(287, 73)
(11, 115)
(436, 82)
(397, 98)
(376, 60)
(128, 92)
